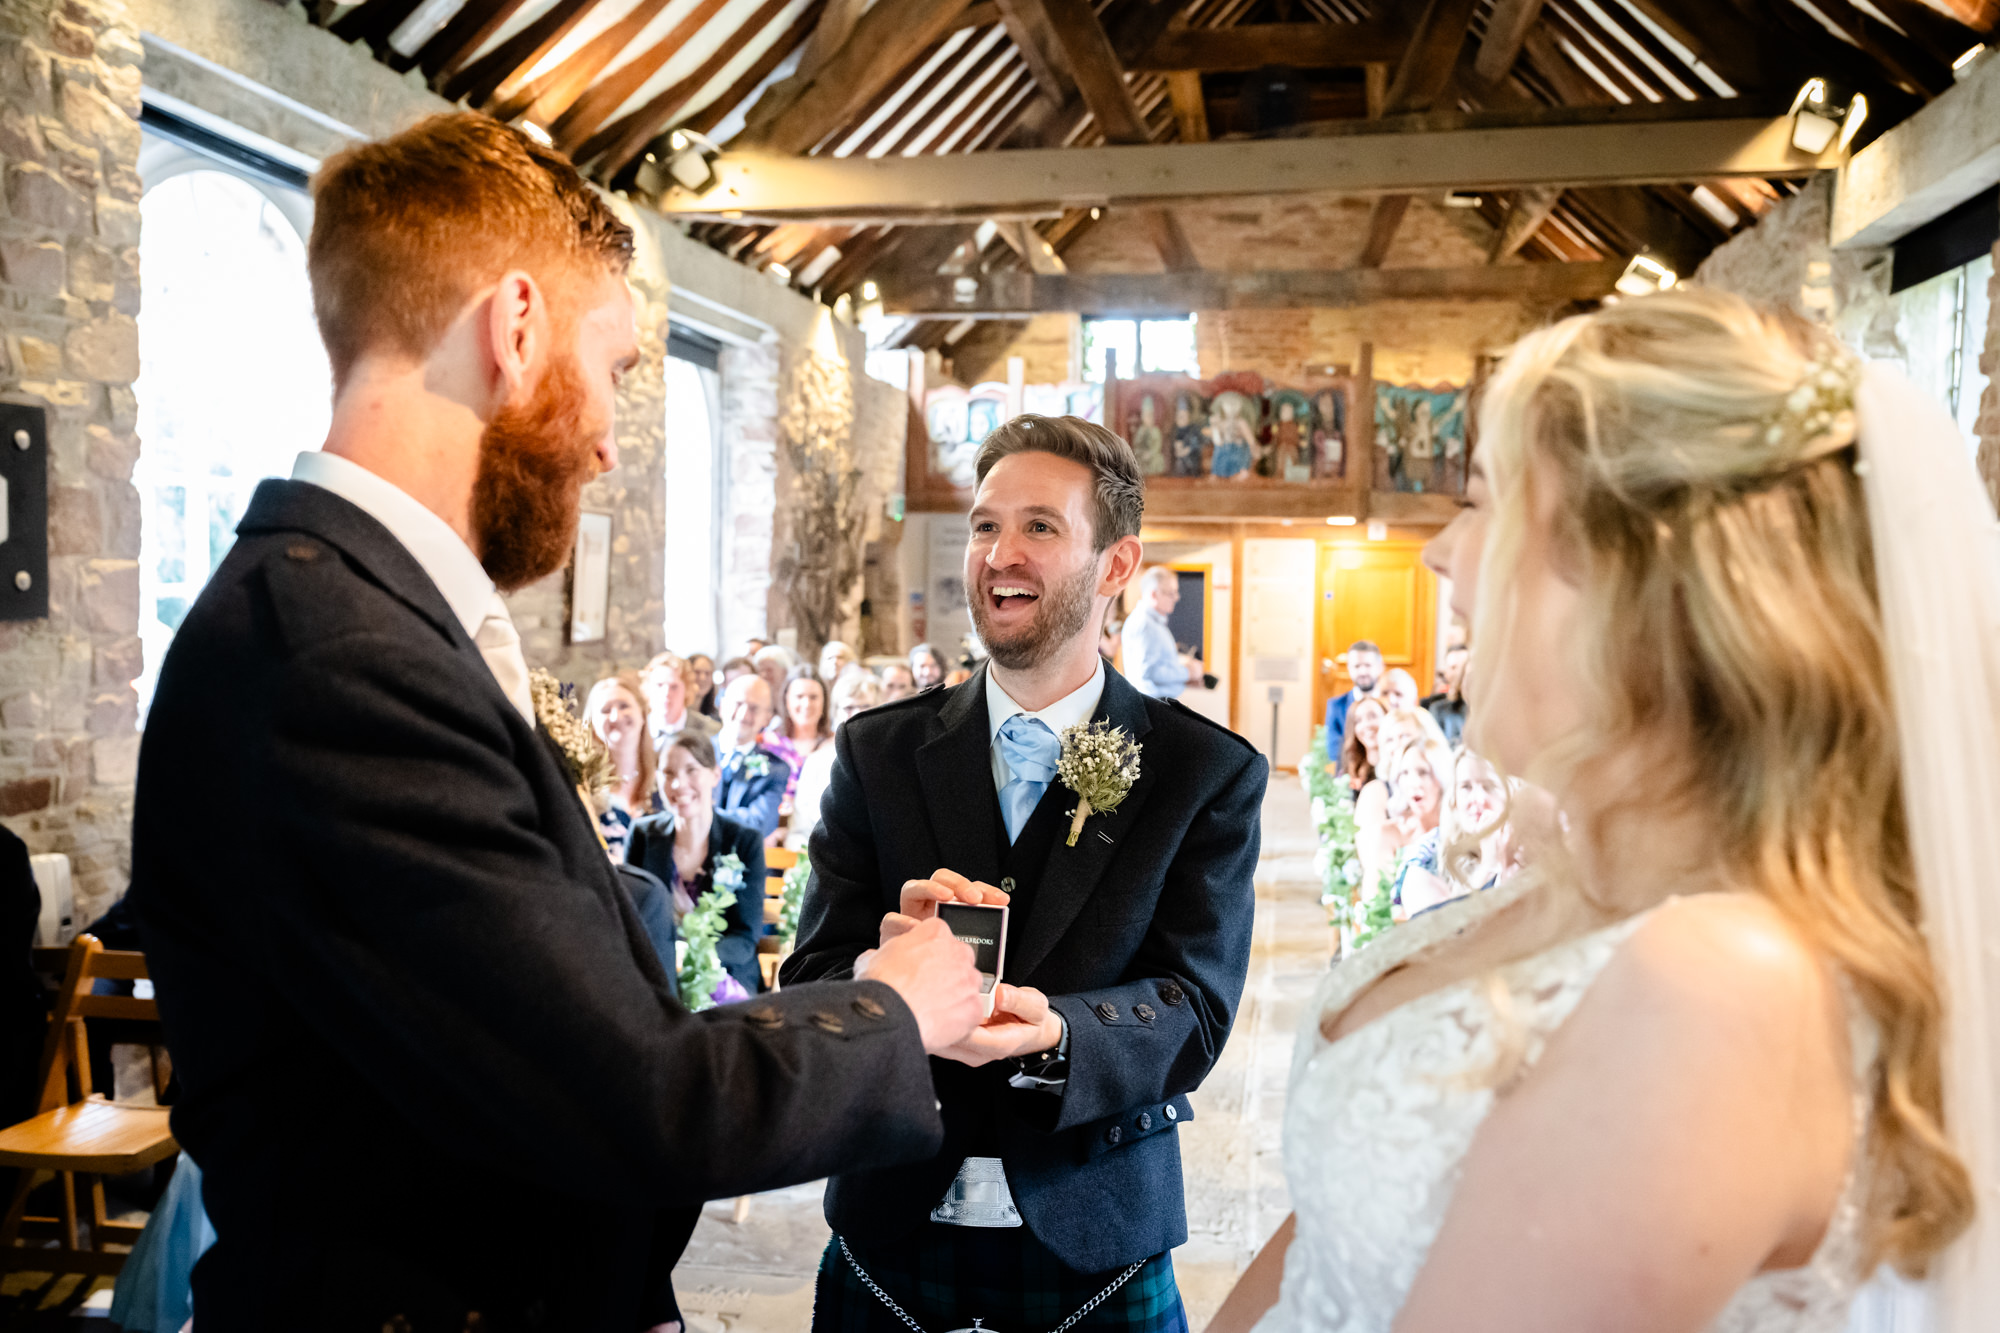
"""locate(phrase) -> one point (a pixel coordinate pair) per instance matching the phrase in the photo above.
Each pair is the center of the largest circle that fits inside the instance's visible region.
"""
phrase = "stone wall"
(69, 289)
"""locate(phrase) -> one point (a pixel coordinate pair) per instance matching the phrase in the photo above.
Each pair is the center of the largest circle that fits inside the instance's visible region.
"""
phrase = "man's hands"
(1022, 1024)
(934, 975)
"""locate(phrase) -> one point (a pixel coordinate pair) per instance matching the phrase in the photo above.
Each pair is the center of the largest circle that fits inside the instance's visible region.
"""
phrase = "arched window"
(233, 381)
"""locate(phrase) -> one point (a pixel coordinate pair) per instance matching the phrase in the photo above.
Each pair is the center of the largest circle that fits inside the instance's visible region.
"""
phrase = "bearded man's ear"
(517, 334)
(1126, 554)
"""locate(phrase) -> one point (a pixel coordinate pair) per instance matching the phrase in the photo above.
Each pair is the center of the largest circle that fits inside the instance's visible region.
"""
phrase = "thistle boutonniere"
(555, 708)
(756, 764)
(1099, 762)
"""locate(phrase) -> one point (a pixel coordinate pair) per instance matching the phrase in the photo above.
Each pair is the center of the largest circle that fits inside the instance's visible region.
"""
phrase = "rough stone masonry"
(69, 288)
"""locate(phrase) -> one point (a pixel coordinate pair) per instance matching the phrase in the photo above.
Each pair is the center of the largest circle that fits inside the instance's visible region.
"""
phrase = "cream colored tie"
(500, 644)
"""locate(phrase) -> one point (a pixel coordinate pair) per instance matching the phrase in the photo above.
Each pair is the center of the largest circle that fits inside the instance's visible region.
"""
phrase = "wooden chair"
(86, 1135)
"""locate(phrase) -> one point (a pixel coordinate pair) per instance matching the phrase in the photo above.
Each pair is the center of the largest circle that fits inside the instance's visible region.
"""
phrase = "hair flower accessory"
(1099, 762)
(1818, 415)
(588, 760)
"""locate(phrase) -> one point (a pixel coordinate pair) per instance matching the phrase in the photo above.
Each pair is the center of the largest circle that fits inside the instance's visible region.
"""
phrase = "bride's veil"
(1937, 568)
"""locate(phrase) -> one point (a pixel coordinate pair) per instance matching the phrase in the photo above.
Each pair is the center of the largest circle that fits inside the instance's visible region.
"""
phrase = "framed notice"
(590, 578)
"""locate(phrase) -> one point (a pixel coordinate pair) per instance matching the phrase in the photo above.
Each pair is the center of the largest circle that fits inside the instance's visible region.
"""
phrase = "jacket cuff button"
(1114, 1136)
(1145, 1121)
(765, 1017)
(827, 1023)
(1172, 1114)
(1108, 1012)
(869, 1007)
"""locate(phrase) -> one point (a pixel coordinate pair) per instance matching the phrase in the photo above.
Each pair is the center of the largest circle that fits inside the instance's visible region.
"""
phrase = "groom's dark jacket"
(430, 1064)
(1139, 934)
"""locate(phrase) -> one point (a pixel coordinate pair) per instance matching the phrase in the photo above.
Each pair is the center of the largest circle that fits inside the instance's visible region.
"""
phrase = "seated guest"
(1419, 782)
(1364, 668)
(775, 664)
(669, 685)
(1448, 704)
(835, 658)
(701, 670)
(1360, 753)
(1375, 843)
(800, 728)
(753, 779)
(857, 692)
(927, 666)
(897, 682)
(682, 846)
(727, 672)
(1398, 689)
(618, 718)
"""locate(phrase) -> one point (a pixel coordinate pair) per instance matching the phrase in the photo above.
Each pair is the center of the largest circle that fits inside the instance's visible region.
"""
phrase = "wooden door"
(1378, 591)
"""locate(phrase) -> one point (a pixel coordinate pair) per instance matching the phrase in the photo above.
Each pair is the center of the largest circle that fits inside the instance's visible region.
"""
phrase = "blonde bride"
(1728, 1045)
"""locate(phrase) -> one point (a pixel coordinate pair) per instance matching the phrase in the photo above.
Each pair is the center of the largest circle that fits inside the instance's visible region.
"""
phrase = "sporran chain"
(1064, 1327)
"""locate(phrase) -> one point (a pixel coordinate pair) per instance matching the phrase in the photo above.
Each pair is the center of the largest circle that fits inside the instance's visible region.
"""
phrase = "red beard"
(534, 460)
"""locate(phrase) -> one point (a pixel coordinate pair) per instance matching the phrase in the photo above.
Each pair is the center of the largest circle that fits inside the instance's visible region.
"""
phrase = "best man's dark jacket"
(430, 1063)
(1140, 935)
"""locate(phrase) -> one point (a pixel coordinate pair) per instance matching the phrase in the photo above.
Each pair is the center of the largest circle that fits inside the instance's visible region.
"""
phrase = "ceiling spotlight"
(1644, 276)
(781, 274)
(870, 292)
(964, 291)
(1818, 119)
(1096, 213)
(1972, 53)
(1342, 521)
(678, 141)
(1462, 199)
(535, 132)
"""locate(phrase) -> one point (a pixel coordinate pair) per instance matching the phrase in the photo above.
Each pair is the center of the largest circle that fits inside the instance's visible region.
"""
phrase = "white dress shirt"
(441, 553)
(1076, 706)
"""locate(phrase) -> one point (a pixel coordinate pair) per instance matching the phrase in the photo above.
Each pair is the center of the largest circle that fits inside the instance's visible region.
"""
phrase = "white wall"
(1279, 576)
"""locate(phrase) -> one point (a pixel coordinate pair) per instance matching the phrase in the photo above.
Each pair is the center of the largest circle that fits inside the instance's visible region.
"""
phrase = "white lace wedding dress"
(1377, 1126)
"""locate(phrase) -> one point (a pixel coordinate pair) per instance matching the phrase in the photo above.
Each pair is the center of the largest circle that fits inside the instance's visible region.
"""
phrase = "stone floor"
(757, 1277)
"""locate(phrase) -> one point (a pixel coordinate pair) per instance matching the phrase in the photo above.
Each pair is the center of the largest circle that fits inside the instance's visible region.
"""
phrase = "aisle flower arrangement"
(1347, 909)
(702, 977)
(794, 901)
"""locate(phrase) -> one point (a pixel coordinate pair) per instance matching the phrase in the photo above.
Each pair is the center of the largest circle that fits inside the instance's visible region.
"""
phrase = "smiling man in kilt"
(1122, 834)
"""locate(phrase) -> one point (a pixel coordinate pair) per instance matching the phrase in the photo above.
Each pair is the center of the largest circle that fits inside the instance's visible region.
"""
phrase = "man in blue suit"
(1364, 668)
(753, 780)
(1127, 939)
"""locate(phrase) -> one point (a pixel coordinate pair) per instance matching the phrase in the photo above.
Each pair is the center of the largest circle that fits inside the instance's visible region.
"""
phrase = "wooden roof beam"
(1420, 79)
(1526, 212)
(1015, 294)
(454, 43)
(1298, 45)
(1506, 28)
(1613, 148)
(876, 54)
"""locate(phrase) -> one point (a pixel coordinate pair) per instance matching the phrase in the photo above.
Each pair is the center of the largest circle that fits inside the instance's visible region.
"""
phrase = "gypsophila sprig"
(1099, 762)
(555, 707)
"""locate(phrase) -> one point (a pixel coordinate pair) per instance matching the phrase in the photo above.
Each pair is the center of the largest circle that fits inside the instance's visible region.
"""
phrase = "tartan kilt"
(946, 1276)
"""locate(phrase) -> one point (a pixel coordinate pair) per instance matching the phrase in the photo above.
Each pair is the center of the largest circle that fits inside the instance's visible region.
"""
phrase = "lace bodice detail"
(1377, 1127)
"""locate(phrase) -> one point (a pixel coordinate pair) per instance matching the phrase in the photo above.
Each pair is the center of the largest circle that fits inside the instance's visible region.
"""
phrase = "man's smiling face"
(1032, 569)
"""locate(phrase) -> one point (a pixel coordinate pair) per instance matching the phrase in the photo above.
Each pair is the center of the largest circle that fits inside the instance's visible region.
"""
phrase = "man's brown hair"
(1118, 495)
(406, 229)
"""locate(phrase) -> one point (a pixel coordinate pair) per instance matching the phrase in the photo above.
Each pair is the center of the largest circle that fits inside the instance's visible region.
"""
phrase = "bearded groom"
(1059, 1181)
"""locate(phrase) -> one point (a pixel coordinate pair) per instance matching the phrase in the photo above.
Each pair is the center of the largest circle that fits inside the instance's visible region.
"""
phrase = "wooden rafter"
(878, 50)
(549, 97)
(1013, 294)
(372, 21)
(1506, 27)
(479, 80)
(774, 55)
(1297, 45)
(592, 107)
(1572, 149)
(1420, 79)
(617, 144)
(454, 43)
(1190, 106)
(1526, 212)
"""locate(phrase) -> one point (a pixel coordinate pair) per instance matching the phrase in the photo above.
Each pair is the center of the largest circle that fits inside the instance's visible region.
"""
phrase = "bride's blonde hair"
(1728, 619)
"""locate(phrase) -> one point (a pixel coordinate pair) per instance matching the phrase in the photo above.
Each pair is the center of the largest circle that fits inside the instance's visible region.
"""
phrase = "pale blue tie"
(1030, 750)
